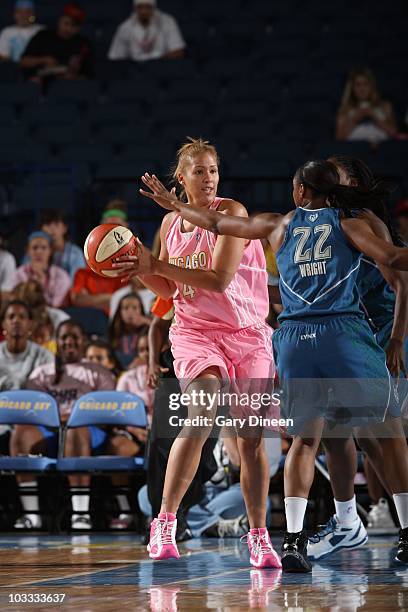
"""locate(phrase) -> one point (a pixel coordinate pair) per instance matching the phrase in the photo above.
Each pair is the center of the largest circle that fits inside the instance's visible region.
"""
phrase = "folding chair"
(103, 408)
(28, 408)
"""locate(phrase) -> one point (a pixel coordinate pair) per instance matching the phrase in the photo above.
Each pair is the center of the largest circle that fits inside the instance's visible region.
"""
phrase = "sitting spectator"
(363, 115)
(7, 271)
(66, 378)
(66, 255)
(101, 352)
(115, 212)
(62, 52)
(32, 294)
(129, 322)
(146, 35)
(14, 39)
(53, 279)
(135, 380)
(93, 291)
(135, 286)
(18, 354)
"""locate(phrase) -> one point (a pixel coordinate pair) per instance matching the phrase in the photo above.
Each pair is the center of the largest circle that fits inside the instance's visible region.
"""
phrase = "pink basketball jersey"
(245, 301)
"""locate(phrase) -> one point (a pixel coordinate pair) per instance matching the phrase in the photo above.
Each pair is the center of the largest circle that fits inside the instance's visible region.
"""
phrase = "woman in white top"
(363, 115)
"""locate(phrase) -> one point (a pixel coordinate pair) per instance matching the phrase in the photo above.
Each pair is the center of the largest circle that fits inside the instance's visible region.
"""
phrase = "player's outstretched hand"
(166, 199)
(135, 265)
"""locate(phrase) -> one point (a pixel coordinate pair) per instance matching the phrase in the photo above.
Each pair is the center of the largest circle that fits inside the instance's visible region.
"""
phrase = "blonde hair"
(349, 100)
(189, 150)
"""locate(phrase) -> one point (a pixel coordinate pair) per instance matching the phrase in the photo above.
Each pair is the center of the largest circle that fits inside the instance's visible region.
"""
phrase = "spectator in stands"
(147, 34)
(101, 352)
(93, 291)
(129, 322)
(363, 115)
(45, 318)
(401, 215)
(135, 286)
(135, 379)
(7, 272)
(18, 354)
(62, 52)
(14, 39)
(115, 212)
(66, 255)
(53, 279)
(66, 378)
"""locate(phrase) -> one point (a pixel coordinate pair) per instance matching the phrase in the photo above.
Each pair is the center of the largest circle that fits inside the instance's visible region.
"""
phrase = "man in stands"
(14, 39)
(147, 34)
(62, 52)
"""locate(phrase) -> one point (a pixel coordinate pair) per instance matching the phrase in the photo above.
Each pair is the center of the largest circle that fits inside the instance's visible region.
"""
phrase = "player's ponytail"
(362, 177)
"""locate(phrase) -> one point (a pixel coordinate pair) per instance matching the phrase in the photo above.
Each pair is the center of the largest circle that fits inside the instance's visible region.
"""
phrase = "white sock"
(29, 501)
(295, 509)
(123, 503)
(401, 505)
(346, 511)
(80, 503)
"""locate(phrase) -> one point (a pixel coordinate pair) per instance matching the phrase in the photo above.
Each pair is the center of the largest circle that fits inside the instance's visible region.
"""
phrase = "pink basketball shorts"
(244, 358)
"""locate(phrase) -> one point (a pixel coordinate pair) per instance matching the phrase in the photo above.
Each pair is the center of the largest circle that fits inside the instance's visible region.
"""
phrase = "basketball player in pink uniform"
(219, 285)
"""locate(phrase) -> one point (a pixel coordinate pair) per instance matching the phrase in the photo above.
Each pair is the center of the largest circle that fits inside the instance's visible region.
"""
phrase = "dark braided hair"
(361, 174)
(59, 365)
(322, 178)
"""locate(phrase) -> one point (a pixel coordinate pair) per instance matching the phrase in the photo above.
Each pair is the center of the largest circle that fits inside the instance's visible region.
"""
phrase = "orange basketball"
(105, 244)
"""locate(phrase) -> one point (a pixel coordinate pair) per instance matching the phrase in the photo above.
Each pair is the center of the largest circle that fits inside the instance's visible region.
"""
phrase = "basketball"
(105, 244)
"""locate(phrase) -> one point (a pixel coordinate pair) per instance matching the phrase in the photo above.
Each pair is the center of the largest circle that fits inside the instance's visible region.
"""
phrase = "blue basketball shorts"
(98, 438)
(332, 367)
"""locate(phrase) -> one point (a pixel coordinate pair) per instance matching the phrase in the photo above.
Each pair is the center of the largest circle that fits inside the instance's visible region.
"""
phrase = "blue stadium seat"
(15, 153)
(175, 112)
(13, 134)
(123, 134)
(242, 111)
(192, 90)
(126, 171)
(113, 114)
(20, 93)
(259, 168)
(28, 408)
(251, 90)
(227, 69)
(165, 69)
(129, 92)
(93, 320)
(324, 149)
(63, 134)
(7, 114)
(86, 153)
(105, 408)
(10, 72)
(50, 114)
(80, 92)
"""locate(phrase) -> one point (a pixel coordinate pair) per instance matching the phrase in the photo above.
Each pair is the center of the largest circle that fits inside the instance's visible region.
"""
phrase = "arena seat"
(50, 114)
(113, 408)
(93, 320)
(28, 408)
(79, 91)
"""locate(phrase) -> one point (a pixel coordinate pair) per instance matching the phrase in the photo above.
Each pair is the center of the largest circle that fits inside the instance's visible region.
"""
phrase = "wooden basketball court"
(106, 573)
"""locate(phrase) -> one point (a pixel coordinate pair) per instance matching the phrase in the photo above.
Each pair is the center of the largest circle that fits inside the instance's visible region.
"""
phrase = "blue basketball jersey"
(318, 267)
(376, 295)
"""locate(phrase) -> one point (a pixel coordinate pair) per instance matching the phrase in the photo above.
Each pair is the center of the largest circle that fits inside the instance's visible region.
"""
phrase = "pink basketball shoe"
(261, 550)
(162, 543)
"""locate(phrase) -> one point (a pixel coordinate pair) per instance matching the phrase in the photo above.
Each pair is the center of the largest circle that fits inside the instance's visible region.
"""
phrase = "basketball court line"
(96, 571)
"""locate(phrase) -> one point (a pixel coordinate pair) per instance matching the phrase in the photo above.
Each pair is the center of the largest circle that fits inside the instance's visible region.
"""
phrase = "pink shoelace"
(165, 528)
